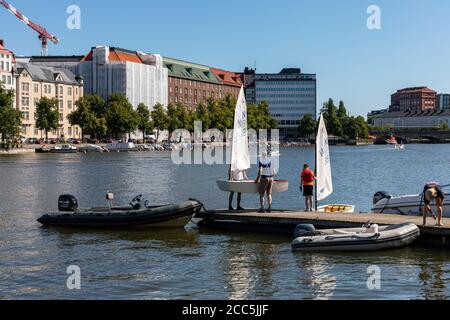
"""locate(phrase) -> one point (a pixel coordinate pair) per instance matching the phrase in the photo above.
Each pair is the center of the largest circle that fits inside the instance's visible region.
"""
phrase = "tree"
(144, 123)
(202, 114)
(160, 119)
(47, 115)
(120, 117)
(83, 116)
(10, 117)
(332, 120)
(307, 126)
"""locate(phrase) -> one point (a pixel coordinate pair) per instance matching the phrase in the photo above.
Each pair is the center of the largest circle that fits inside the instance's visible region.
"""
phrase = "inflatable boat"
(137, 215)
(368, 238)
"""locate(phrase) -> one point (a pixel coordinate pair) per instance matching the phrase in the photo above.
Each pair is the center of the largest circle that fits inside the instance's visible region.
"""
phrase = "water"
(205, 264)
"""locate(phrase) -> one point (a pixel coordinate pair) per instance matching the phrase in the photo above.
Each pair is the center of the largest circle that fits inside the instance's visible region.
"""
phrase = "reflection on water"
(205, 264)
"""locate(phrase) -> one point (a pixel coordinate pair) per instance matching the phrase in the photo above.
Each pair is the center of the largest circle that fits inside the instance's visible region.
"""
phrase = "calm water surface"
(205, 264)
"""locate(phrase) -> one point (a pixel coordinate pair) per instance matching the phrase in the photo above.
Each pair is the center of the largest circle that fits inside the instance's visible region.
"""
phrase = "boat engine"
(380, 195)
(67, 202)
(304, 230)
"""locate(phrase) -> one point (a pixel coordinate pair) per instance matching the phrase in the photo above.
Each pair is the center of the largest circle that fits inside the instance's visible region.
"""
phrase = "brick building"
(411, 99)
(192, 84)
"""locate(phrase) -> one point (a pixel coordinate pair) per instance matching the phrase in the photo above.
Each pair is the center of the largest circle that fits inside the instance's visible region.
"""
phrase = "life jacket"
(308, 177)
(266, 167)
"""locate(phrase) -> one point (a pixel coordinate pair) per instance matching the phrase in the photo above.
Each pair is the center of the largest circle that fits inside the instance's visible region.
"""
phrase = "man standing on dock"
(265, 181)
(432, 191)
(307, 179)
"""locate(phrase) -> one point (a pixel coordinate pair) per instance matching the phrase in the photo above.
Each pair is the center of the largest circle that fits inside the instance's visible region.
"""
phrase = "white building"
(140, 76)
(413, 119)
(291, 95)
(7, 61)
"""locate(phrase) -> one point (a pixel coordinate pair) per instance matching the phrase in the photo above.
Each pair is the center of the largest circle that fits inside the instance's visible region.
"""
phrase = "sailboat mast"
(316, 202)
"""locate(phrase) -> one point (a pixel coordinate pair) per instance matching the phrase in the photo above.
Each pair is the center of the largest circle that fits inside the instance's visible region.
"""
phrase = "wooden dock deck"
(285, 221)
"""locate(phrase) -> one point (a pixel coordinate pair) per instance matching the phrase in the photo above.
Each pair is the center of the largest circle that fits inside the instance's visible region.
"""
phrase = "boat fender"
(303, 230)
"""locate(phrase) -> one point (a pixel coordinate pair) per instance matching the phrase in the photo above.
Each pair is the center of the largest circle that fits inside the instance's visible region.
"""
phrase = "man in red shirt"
(307, 179)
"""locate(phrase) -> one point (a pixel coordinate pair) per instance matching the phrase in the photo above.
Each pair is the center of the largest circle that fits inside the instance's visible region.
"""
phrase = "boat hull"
(410, 205)
(389, 237)
(249, 186)
(165, 216)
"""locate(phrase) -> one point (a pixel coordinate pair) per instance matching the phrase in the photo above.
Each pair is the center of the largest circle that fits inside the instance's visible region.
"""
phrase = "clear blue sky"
(326, 37)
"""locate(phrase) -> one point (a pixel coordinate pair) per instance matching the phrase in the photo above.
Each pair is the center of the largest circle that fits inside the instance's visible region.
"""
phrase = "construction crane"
(44, 36)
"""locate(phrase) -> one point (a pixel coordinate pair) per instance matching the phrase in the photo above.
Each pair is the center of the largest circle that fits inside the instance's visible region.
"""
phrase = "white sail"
(240, 154)
(323, 169)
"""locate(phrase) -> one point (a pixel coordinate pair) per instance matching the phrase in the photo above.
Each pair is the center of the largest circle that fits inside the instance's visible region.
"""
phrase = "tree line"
(339, 123)
(116, 117)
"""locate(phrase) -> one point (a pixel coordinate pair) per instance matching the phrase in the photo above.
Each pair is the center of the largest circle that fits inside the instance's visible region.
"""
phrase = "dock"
(285, 221)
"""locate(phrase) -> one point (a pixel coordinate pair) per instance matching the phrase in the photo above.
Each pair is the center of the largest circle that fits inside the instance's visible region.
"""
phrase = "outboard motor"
(67, 203)
(303, 230)
(380, 195)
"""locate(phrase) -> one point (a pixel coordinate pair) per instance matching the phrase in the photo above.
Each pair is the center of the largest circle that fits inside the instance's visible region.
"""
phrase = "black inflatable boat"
(138, 215)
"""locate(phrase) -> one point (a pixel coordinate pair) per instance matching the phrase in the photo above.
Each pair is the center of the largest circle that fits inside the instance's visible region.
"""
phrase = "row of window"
(281, 82)
(25, 102)
(290, 102)
(298, 95)
(7, 79)
(194, 83)
(5, 66)
(61, 132)
(48, 89)
(272, 89)
(29, 117)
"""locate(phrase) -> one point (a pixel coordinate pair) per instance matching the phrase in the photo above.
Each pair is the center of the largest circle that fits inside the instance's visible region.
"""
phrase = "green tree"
(144, 122)
(330, 114)
(160, 119)
(83, 116)
(47, 115)
(201, 114)
(307, 126)
(10, 117)
(120, 117)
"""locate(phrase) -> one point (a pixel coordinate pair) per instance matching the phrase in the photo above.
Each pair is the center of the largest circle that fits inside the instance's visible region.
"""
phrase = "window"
(69, 104)
(61, 117)
(25, 102)
(69, 131)
(69, 91)
(26, 116)
(61, 90)
(61, 105)
(25, 87)
(36, 131)
(3, 78)
(9, 80)
(36, 88)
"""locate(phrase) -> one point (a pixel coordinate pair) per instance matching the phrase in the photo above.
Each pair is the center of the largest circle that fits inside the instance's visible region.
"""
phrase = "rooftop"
(415, 89)
(416, 113)
(228, 77)
(48, 74)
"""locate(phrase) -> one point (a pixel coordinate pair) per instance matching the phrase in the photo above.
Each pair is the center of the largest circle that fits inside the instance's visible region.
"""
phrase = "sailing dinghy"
(240, 155)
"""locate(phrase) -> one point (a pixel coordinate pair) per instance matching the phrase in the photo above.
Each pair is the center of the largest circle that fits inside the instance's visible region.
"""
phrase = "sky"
(330, 38)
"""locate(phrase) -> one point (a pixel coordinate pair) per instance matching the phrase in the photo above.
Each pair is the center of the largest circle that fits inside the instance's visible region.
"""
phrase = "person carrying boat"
(265, 181)
(433, 191)
(307, 179)
(238, 175)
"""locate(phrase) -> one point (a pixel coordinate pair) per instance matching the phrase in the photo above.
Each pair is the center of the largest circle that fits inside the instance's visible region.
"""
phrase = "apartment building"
(35, 82)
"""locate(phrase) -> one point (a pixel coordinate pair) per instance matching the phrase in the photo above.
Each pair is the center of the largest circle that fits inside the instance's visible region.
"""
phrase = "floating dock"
(285, 221)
